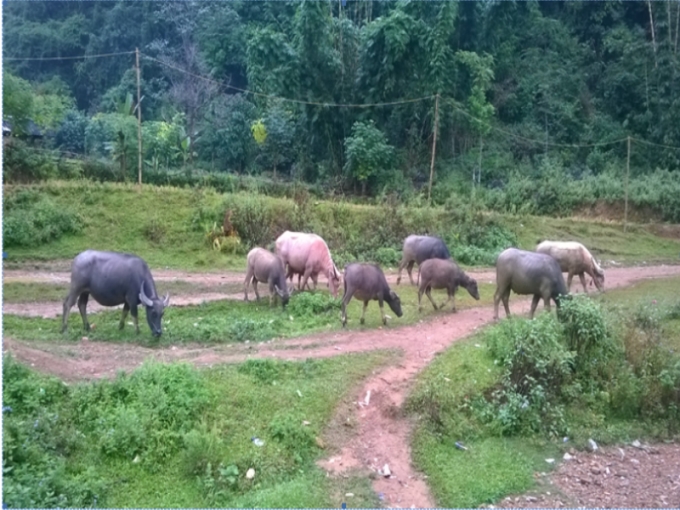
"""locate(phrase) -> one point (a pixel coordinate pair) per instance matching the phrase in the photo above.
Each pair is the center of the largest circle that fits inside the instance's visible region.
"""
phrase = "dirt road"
(381, 435)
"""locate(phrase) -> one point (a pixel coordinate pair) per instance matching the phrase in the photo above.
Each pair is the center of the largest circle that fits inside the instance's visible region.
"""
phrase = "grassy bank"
(173, 436)
(173, 227)
(610, 371)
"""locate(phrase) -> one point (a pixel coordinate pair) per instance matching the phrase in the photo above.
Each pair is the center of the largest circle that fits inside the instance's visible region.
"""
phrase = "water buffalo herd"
(113, 278)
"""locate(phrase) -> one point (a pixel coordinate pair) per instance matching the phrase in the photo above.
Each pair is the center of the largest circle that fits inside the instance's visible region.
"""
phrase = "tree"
(17, 101)
(368, 155)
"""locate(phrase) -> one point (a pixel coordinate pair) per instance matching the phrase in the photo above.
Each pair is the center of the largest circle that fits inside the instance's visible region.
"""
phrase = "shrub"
(308, 304)
(31, 219)
(535, 367)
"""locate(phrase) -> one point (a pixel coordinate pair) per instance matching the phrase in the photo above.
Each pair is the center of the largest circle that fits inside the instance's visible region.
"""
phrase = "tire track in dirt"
(381, 435)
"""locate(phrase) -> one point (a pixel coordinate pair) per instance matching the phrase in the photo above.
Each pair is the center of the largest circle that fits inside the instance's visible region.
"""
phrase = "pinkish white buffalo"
(307, 255)
(575, 259)
(264, 266)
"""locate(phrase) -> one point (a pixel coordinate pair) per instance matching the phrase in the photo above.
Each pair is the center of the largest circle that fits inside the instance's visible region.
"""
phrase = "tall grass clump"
(31, 218)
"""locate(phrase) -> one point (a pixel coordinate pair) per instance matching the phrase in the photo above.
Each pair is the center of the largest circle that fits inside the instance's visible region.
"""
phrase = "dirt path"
(381, 435)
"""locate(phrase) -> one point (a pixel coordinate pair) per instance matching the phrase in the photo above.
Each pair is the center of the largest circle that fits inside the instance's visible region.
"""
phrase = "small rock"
(349, 495)
(386, 471)
(319, 442)
(593, 445)
(531, 498)
(84, 339)
(305, 422)
(635, 461)
(636, 444)
(550, 461)
(567, 456)
(250, 474)
(136, 460)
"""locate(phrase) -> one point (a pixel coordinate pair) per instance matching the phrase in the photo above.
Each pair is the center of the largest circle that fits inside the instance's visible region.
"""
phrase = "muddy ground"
(641, 478)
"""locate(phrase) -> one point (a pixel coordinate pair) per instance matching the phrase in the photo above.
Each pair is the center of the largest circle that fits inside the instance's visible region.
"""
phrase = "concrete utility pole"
(434, 147)
(139, 120)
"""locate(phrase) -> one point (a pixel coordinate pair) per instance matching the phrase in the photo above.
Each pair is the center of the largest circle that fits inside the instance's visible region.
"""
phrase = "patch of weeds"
(155, 230)
(308, 304)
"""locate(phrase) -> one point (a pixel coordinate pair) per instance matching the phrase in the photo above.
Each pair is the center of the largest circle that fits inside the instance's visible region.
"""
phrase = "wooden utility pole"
(434, 147)
(625, 210)
(139, 120)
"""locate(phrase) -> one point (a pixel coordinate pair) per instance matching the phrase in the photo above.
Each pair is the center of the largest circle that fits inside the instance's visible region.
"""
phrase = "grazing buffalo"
(112, 279)
(574, 258)
(264, 266)
(367, 282)
(418, 249)
(528, 272)
(307, 255)
(444, 274)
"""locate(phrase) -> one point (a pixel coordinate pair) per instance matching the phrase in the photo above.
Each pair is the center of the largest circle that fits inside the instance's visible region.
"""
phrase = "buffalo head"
(155, 307)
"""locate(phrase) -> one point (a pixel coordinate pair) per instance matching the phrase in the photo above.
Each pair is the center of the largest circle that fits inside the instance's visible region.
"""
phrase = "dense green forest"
(346, 94)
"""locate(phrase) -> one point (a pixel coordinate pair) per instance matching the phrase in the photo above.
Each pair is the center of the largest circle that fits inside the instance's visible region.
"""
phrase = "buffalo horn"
(142, 297)
(166, 300)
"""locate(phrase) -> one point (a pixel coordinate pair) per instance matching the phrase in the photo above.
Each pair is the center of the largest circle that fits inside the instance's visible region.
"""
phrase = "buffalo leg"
(409, 270)
(249, 277)
(82, 306)
(534, 304)
(382, 311)
(570, 277)
(257, 294)
(346, 298)
(402, 265)
(583, 282)
(363, 312)
(135, 318)
(428, 293)
(500, 294)
(308, 273)
(546, 300)
(126, 309)
(68, 304)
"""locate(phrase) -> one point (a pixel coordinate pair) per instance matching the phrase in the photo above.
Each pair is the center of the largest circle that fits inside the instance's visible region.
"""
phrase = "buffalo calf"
(444, 274)
(367, 282)
(264, 266)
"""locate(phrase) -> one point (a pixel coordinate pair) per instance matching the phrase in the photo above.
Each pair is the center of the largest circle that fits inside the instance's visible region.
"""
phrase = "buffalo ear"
(142, 297)
(166, 300)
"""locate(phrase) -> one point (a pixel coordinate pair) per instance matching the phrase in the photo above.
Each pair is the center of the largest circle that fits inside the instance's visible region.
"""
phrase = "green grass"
(39, 292)
(164, 225)
(606, 240)
(228, 321)
(118, 217)
(494, 467)
(263, 398)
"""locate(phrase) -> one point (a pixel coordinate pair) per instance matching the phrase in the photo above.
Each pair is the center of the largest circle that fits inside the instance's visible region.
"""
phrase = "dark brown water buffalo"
(574, 259)
(307, 255)
(444, 274)
(266, 267)
(113, 279)
(417, 249)
(528, 272)
(367, 282)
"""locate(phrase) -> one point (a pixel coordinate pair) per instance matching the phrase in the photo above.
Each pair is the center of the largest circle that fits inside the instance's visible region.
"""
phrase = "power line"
(286, 99)
(71, 58)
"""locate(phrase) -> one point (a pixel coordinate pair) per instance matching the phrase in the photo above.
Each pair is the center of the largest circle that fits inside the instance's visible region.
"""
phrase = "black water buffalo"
(417, 249)
(113, 279)
(444, 274)
(528, 272)
(367, 282)
(264, 266)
